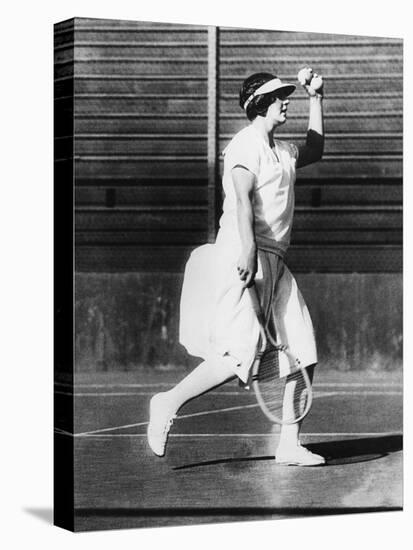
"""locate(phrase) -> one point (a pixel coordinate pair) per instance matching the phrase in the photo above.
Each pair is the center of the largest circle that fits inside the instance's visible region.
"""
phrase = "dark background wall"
(146, 133)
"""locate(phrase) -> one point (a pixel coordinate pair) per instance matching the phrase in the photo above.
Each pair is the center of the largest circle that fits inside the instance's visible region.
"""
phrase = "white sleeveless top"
(273, 199)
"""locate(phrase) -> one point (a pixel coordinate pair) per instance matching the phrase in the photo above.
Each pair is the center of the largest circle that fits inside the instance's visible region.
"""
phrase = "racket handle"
(261, 321)
(259, 314)
(256, 304)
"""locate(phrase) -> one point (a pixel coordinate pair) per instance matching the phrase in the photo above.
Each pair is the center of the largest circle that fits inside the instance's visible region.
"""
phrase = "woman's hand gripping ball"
(311, 82)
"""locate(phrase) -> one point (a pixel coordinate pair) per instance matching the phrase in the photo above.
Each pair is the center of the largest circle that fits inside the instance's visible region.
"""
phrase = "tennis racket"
(283, 398)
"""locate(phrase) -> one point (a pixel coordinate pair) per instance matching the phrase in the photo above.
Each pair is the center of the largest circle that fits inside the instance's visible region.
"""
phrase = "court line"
(267, 434)
(200, 413)
(239, 393)
(171, 384)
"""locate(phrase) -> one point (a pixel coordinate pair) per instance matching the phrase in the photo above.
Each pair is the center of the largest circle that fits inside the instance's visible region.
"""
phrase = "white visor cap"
(271, 86)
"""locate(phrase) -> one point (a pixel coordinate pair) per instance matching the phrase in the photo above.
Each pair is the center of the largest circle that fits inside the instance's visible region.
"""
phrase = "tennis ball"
(316, 82)
(305, 75)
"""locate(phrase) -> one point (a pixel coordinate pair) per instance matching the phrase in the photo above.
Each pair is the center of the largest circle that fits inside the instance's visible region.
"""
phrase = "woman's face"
(277, 111)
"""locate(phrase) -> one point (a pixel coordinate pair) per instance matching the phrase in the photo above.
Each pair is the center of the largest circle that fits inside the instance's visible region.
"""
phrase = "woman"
(217, 319)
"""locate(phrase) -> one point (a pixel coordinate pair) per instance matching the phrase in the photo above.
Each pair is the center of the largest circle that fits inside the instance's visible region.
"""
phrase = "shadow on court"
(357, 450)
(335, 452)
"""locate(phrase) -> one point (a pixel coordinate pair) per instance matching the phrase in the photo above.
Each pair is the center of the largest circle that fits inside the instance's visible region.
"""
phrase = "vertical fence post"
(213, 130)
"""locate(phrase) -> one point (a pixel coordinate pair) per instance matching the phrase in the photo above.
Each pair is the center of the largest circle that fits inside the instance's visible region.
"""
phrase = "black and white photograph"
(232, 347)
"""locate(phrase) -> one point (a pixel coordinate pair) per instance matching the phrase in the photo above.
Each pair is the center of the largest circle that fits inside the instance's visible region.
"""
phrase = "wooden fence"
(144, 109)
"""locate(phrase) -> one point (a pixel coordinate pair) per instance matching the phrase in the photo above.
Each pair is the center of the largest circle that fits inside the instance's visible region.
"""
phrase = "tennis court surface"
(219, 464)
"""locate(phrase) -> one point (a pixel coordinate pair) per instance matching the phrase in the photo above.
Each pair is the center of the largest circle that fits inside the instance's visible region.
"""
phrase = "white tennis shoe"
(298, 456)
(161, 417)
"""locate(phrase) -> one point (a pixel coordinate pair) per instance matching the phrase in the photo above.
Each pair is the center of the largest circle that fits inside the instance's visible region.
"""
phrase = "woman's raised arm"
(313, 149)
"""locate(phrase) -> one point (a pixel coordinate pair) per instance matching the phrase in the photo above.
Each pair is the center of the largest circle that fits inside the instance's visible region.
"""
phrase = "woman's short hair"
(260, 103)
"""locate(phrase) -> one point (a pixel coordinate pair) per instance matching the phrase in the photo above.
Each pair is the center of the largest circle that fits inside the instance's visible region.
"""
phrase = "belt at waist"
(269, 245)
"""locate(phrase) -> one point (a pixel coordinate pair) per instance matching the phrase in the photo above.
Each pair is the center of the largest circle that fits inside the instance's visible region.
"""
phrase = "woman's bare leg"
(289, 450)
(165, 405)
(290, 433)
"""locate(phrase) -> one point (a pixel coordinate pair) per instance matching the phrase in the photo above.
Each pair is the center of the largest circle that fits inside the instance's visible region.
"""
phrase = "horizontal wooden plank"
(164, 104)
(103, 180)
(299, 104)
(157, 166)
(236, 70)
(160, 105)
(130, 180)
(346, 93)
(81, 50)
(347, 218)
(236, 66)
(337, 123)
(194, 218)
(87, 167)
(308, 48)
(161, 157)
(361, 194)
(173, 237)
(144, 195)
(143, 238)
(140, 146)
(241, 118)
(122, 66)
(307, 194)
(345, 259)
(324, 259)
(344, 79)
(177, 145)
(358, 45)
(292, 58)
(172, 86)
(351, 115)
(151, 219)
(115, 258)
(136, 124)
(257, 35)
(121, 46)
(141, 35)
(133, 30)
(352, 166)
(379, 167)
(355, 145)
(326, 67)
(347, 237)
(101, 84)
(82, 23)
(169, 50)
(366, 84)
(134, 77)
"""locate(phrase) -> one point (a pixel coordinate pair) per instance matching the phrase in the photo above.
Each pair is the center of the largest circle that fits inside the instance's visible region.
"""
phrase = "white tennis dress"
(217, 321)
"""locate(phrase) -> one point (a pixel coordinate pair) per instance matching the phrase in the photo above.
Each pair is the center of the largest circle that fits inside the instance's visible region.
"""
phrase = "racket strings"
(269, 365)
(285, 397)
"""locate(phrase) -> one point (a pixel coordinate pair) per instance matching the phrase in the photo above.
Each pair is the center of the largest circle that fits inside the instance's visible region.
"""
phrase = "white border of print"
(26, 290)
